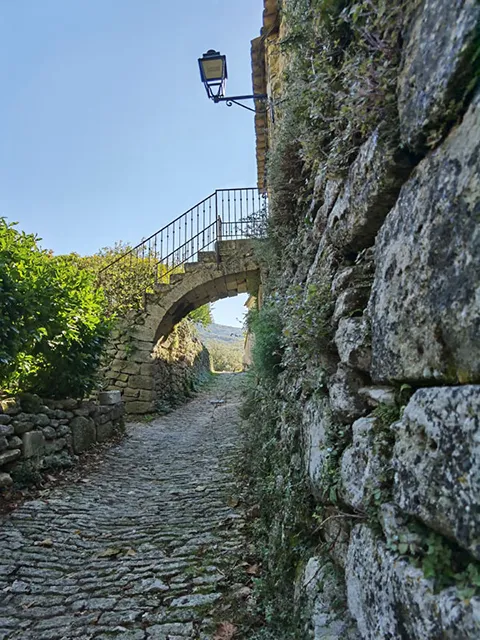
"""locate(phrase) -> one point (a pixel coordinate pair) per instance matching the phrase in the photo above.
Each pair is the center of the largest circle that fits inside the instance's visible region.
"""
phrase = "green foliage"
(52, 320)
(307, 325)
(274, 474)
(440, 559)
(225, 357)
(129, 277)
(202, 315)
(266, 326)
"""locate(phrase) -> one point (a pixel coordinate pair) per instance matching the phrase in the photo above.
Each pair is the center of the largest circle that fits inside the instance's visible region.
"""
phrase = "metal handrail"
(226, 213)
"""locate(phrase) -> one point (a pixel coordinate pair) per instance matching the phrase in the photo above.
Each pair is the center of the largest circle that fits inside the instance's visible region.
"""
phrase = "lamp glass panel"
(213, 69)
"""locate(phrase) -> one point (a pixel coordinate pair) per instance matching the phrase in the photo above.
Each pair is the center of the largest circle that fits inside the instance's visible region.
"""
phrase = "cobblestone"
(137, 550)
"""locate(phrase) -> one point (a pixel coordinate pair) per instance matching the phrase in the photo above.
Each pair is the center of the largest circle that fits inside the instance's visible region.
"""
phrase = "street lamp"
(213, 72)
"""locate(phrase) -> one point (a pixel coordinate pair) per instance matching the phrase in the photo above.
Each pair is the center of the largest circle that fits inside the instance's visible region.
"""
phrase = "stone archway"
(215, 276)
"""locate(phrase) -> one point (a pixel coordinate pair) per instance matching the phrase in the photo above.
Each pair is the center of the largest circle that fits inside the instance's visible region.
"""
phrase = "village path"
(139, 550)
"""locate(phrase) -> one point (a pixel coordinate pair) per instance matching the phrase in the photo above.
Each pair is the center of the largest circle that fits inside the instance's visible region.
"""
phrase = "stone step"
(207, 256)
(176, 277)
(191, 266)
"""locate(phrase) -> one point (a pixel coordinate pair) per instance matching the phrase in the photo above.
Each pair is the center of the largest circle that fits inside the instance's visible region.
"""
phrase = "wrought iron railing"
(227, 214)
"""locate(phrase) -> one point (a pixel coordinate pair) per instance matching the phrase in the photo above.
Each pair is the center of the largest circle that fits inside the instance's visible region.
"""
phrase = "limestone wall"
(49, 434)
(396, 243)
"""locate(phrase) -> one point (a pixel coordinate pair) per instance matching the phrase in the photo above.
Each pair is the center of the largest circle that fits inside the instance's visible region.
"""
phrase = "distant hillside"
(221, 333)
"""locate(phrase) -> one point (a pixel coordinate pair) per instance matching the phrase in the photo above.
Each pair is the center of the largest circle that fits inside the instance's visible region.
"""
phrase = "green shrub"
(266, 326)
(225, 357)
(52, 320)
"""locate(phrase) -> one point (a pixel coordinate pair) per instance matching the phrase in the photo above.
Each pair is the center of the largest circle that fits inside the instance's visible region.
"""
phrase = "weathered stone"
(83, 433)
(6, 430)
(147, 369)
(131, 393)
(14, 442)
(425, 307)
(437, 462)
(362, 467)
(389, 598)
(349, 302)
(3, 443)
(323, 592)
(109, 397)
(9, 456)
(5, 480)
(49, 433)
(138, 407)
(141, 382)
(315, 424)
(123, 366)
(369, 192)
(22, 427)
(53, 446)
(438, 65)
(4, 419)
(105, 431)
(353, 342)
(146, 396)
(378, 395)
(33, 444)
(41, 420)
(120, 385)
(347, 404)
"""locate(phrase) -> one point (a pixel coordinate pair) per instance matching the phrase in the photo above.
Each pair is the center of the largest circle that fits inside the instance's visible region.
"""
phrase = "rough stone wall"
(181, 364)
(49, 434)
(397, 242)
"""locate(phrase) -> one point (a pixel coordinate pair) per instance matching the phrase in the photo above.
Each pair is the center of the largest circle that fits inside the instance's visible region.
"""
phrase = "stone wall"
(49, 434)
(396, 242)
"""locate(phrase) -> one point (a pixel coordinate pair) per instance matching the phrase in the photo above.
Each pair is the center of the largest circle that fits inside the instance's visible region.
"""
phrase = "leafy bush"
(225, 357)
(52, 319)
(266, 326)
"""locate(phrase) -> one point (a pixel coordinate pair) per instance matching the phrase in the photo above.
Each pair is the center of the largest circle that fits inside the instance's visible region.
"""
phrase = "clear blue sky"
(106, 130)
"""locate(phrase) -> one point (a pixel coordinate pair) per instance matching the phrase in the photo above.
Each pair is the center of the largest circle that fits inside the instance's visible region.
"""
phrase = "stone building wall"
(395, 244)
(49, 434)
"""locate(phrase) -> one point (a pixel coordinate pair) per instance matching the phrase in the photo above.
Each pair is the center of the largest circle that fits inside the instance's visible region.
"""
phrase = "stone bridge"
(228, 271)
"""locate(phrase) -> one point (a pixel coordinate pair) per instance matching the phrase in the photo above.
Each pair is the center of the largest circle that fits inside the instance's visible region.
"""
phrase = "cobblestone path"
(136, 552)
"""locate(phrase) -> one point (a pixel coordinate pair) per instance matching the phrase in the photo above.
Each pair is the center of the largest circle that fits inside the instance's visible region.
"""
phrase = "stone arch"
(231, 271)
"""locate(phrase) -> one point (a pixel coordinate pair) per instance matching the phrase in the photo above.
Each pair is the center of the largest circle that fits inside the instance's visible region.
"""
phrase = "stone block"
(5, 480)
(352, 300)
(362, 467)
(147, 369)
(138, 407)
(130, 393)
(146, 396)
(4, 419)
(324, 601)
(390, 598)
(21, 427)
(54, 446)
(49, 433)
(315, 424)
(345, 401)
(9, 456)
(378, 395)
(425, 307)
(105, 431)
(367, 195)
(83, 433)
(14, 442)
(33, 444)
(123, 366)
(353, 342)
(141, 382)
(437, 462)
(6, 430)
(437, 67)
(3, 443)
(41, 420)
(120, 384)
(109, 397)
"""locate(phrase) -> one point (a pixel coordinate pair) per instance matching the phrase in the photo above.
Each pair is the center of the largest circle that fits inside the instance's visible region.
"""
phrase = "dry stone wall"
(397, 240)
(49, 434)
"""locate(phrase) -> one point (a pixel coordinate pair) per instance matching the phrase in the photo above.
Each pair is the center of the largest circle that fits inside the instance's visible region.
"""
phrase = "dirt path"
(138, 550)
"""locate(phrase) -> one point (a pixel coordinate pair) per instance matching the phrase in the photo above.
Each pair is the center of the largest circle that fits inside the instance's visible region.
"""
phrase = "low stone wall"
(48, 434)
